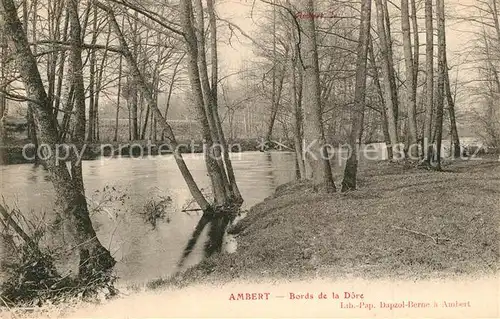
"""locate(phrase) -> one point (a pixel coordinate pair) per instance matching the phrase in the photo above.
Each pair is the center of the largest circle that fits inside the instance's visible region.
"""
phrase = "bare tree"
(456, 150)
(429, 92)
(411, 85)
(71, 200)
(358, 109)
(386, 74)
(440, 79)
(318, 166)
(233, 186)
(296, 93)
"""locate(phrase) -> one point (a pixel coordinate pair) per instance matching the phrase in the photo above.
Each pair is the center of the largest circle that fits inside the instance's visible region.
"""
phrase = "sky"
(239, 12)
(239, 50)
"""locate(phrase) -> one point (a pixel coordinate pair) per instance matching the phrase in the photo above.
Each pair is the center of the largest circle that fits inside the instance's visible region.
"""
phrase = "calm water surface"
(144, 253)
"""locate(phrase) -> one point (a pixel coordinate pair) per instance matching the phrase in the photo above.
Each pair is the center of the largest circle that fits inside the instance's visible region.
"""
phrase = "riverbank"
(403, 223)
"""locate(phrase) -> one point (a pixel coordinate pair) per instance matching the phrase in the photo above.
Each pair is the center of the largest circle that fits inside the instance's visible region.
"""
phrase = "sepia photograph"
(249, 158)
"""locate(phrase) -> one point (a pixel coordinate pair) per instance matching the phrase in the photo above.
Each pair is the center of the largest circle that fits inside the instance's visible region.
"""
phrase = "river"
(144, 253)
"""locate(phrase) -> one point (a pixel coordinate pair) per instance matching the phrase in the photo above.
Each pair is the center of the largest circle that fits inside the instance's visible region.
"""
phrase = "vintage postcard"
(249, 158)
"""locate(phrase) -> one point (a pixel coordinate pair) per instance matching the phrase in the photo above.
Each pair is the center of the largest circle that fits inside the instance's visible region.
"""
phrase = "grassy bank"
(403, 223)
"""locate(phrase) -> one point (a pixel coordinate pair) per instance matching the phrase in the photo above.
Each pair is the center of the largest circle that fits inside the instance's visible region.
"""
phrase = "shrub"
(32, 277)
(156, 209)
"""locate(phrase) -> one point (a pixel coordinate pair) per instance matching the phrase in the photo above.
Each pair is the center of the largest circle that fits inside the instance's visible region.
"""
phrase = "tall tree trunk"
(455, 140)
(156, 86)
(383, 109)
(142, 60)
(235, 192)
(133, 87)
(98, 87)
(386, 74)
(60, 72)
(390, 58)
(274, 105)
(276, 100)
(411, 85)
(145, 124)
(296, 92)
(441, 79)
(69, 197)
(95, 257)
(31, 126)
(199, 75)
(416, 43)
(429, 82)
(92, 79)
(351, 167)
(170, 90)
(318, 164)
(54, 18)
(118, 98)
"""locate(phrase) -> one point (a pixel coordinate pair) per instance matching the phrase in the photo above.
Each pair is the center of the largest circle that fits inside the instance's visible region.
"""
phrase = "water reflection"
(144, 253)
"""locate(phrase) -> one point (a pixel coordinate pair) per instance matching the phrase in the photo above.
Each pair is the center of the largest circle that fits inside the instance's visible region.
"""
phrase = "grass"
(403, 223)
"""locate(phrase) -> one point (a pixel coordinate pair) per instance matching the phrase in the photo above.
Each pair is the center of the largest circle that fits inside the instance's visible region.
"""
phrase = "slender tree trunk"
(142, 60)
(376, 79)
(54, 19)
(390, 58)
(455, 140)
(92, 79)
(416, 43)
(31, 126)
(416, 60)
(98, 87)
(156, 86)
(276, 100)
(118, 98)
(393, 148)
(429, 82)
(198, 74)
(274, 105)
(170, 90)
(318, 165)
(351, 167)
(68, 108)
(145, 124)
(235, 192)
(133, 87)
(296, 88)
(60, 72)
(411, 91)
(441, 79)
